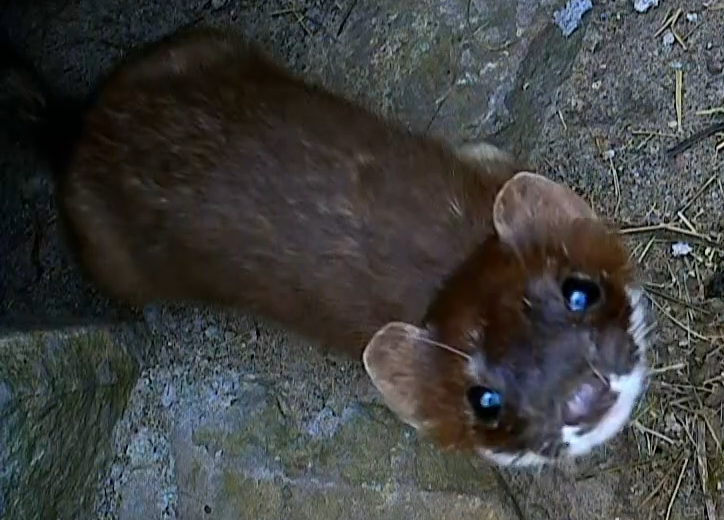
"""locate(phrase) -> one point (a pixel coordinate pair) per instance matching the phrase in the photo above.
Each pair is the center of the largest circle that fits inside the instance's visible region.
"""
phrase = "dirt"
(612, 123)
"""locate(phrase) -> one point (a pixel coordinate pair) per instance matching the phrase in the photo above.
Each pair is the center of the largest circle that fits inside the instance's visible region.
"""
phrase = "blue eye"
(578, 301)
(486, 404)
(580, 294)
(490, 399)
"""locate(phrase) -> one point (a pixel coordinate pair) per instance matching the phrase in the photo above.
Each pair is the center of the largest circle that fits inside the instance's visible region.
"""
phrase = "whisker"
(438, 344)
(596, 372)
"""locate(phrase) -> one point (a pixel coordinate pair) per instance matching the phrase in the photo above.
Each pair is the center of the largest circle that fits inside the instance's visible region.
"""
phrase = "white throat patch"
(629, 387)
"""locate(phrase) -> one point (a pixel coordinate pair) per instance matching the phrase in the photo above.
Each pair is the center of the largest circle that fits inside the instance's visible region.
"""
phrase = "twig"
(694, 139)
(678, 323)
(280, 12)
(704, 469)
(688, 35)
(615, 469)
(710, 111)
(652, 133)
(661, 294)
(345, 17)
(679, 39)
(656, 434)
(439, 102)
(670, 368)
(644, 141)
(679, 97)
(299, 16)
(300, 21)
(647, 247)
(563, 121)
(616, 185)
(635, 230)
(678, 486)
(660, 484)
(686, 222)
(668, 22)
(701, 190)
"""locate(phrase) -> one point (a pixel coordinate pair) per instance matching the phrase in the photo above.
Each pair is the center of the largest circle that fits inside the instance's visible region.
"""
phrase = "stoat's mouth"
(628, 388)
(590, 402)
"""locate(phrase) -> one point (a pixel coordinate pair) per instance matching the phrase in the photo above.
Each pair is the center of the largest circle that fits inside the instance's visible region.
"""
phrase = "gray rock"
(569, 17)
(56, 424)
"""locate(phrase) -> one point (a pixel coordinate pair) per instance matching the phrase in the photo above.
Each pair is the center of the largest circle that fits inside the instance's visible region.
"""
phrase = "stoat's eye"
(486, 404)
(580, 293)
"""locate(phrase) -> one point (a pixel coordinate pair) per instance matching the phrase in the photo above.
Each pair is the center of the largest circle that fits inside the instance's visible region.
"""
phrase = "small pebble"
(692, 17)
(569, 17)
(714, 66)
(668, 38)
(169, 396)
(641, 6)
(672, 425)
(715, 399)
(680, 249)
(715, 286)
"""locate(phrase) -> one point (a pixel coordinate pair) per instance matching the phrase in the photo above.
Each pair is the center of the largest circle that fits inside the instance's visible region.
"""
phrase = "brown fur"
(206, 173)
(242, 185)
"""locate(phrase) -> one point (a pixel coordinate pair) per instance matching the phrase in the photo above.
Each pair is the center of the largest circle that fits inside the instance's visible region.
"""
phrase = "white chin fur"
(629, 387)
(527, 459)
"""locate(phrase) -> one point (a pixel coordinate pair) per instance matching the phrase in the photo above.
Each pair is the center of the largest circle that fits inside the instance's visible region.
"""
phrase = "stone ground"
(198, 413)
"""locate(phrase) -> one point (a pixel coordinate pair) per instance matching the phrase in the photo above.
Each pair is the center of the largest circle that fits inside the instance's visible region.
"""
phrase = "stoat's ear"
(528, 201)
(395, 360)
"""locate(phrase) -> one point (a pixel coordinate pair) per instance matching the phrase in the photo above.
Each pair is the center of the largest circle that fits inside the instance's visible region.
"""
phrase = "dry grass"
(683, 412)
(679, 428)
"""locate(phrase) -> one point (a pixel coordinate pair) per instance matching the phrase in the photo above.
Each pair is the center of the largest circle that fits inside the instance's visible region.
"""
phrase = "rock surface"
(61, 394)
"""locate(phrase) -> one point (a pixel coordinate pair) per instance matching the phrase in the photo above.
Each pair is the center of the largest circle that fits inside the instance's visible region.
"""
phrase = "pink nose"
(590, 401)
